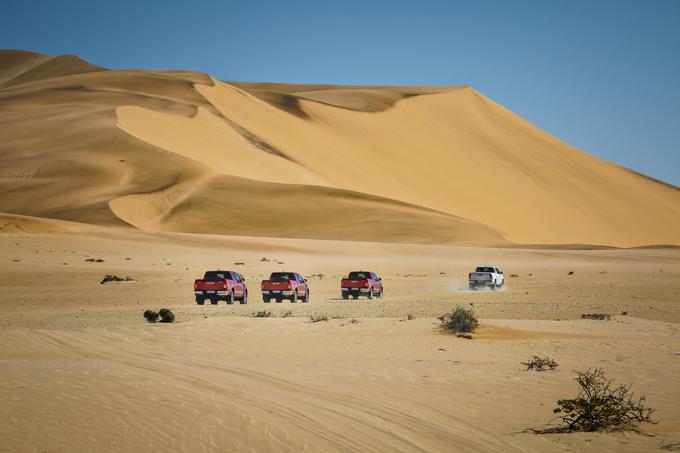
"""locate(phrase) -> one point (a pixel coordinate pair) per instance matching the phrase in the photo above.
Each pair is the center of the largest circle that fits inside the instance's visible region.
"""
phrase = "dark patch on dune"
(256, 141)
(284, 101)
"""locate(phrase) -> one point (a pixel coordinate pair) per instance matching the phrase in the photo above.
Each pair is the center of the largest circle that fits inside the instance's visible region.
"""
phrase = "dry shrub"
(600, 405)
(410, 317)
(262, 314)
(114, 278)
(537, 363)
(460, 320)
(318, 318)
(597, 316)
(287, 314)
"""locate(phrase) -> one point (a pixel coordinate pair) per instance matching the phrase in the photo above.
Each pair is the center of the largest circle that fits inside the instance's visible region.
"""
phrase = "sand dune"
(86, 144)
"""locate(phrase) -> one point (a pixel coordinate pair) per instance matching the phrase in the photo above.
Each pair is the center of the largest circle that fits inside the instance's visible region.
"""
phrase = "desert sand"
(161, 175)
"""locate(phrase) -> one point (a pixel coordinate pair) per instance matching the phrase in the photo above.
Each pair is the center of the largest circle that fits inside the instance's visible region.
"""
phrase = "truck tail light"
(195, 285)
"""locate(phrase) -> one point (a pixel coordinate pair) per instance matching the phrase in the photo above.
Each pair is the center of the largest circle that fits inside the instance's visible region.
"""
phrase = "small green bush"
(460, 320)
(151, 315)
(166, 315)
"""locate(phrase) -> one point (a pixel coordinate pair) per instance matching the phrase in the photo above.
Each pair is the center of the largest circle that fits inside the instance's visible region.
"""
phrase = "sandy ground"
(82, 370)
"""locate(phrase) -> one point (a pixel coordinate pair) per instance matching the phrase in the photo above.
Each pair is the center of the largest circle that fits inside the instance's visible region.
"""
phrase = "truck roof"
(220, 272)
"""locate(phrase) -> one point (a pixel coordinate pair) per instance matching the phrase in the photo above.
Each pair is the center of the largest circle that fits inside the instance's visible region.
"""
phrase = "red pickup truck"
(285, 285)
(361, 283)
(221, 285)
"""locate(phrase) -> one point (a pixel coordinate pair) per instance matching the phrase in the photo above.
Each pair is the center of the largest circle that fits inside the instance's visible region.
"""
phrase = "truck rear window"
(357, 275)
(213, 275)
(485, 269)
(282, 276)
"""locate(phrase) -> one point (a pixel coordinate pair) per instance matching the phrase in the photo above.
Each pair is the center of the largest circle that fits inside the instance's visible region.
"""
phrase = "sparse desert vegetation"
(167, 316)
(114, 278)
(151, 316)
(536, 363)
(318, 318)
(263, 314)
(460, 320)
(601, 405)
(597, 316)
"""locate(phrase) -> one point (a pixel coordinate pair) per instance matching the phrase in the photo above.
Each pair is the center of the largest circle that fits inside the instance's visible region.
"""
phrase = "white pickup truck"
(486, 277)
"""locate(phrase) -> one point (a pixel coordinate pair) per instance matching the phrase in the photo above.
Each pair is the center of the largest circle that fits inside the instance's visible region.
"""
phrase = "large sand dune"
(181, 151)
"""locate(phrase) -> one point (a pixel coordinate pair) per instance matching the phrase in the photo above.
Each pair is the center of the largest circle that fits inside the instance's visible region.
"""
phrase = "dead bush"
(460, 320)
(597, 316)
(410, 317)
(537, 363)
(114, 278)
(600, 405)
(318, 318)
(262, 314)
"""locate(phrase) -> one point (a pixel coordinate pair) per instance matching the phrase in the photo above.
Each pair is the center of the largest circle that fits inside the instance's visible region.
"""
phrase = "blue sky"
(601, 75)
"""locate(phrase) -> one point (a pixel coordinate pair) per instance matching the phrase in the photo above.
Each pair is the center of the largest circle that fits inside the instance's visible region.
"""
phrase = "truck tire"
(306, 298)
(370, 294)
(230, 298)
(345, 296)
(244, 299)
(382, 293)
(294, 297)
(493, 286)
(266, 300)
(355, 296)
(473, 287)
(200, 300)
